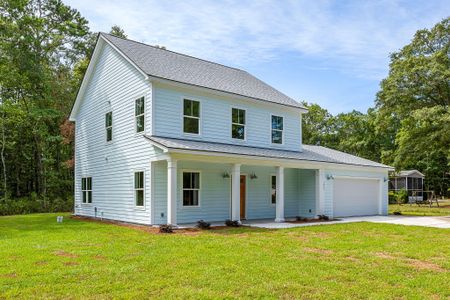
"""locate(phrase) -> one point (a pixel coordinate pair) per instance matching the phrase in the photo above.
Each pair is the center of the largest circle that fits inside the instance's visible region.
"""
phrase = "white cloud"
(354, 37)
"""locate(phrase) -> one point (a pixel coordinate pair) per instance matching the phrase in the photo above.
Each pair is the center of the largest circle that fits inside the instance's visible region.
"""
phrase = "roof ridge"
(174, 52)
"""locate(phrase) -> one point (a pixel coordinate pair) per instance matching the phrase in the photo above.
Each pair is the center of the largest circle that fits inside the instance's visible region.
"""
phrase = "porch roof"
(309, 153)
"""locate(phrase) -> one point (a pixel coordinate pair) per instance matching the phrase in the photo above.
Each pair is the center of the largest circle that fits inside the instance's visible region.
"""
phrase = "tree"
(418, 84)
(118, 31)
(40, 42)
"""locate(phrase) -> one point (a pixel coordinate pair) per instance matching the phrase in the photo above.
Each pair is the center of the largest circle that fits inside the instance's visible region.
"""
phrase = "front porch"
(185, 191)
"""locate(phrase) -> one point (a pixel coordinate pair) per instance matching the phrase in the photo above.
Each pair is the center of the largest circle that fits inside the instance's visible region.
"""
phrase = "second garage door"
(355, 197)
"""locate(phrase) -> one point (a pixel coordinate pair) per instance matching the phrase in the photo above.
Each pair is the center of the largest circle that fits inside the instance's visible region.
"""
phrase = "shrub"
(397, 213)
(301, 219)
(20, 206)
(230, 223)
(392, 197)
(166, 228)
(324, 217)
(402, 196)
(203, 225)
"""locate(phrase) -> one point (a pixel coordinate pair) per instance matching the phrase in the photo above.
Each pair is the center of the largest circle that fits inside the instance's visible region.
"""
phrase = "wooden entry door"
(243, 192)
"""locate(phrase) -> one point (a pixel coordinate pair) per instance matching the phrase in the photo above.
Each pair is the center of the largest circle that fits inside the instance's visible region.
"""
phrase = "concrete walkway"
(436, 222)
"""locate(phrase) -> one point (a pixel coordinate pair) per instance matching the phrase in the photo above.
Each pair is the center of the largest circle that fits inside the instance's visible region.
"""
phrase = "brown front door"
(243, 187)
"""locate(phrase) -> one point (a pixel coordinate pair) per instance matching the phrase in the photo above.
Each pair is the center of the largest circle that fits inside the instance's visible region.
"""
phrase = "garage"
(356, 197)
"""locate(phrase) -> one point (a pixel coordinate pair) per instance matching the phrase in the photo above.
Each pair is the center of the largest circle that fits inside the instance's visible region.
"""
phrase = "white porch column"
(320, 194)
(236, 192)
(172, 192)
(279, 208)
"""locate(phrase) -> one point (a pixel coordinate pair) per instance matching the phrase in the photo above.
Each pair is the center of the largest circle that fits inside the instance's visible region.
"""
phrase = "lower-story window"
(191, 188)
(273, 189)
(86, 189)
(139, 188)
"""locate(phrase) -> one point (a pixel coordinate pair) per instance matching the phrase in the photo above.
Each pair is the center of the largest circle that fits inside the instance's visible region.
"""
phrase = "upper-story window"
(139, 112)
(277, 130)
(108, 126)
(238, 123)
(191, 116)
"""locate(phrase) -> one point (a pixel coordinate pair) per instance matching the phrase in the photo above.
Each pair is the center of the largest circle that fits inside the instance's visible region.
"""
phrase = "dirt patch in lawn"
(424, 265)
(71, 263)
(41, 263)
(10, 275)
(384, 255)
(65, 254)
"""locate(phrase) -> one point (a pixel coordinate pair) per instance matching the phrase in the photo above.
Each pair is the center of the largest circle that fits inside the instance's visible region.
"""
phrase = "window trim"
(109, 127)
(270, 190)
(136, 116)
(282, 131)
(140, 207)
(86, 190)
(199, 189)
(199, 118)
(232, 123)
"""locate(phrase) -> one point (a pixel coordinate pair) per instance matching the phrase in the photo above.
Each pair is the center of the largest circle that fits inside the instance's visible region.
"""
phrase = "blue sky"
(333, 53)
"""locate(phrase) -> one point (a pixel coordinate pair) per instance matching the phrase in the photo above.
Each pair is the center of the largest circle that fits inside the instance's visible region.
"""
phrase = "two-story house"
(163, 137)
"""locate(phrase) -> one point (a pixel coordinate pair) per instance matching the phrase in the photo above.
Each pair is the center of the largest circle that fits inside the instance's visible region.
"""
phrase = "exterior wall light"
(253, 176)
(329, 176)
(225, 175)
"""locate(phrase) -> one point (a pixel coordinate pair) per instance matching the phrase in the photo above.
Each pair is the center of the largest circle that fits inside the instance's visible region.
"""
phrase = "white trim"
(231, 124)
(191, 189)
(153, 108)
(282, 130)
(152, 193)
(200, 127)
(139, 207)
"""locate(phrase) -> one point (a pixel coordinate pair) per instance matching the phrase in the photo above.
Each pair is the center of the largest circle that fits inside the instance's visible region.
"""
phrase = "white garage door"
(355, 197)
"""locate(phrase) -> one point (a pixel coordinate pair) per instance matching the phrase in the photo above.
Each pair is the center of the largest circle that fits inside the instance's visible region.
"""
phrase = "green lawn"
(422, 210)
(80, 259)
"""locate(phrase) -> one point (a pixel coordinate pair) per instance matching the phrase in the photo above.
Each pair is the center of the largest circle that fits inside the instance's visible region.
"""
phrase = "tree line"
(45, 47)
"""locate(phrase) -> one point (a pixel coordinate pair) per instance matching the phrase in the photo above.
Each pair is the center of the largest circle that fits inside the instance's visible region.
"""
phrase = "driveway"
(436, 222)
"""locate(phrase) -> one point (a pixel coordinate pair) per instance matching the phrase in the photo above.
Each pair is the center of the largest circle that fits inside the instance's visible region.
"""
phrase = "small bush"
(230, 223)
(397, 213)
(203, 225)
(324, 217)
(402, 196)
(301, 219)
(166, 228)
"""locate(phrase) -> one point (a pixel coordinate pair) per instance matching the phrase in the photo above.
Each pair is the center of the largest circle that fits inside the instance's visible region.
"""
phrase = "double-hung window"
(273, 189)
(191, 116)
(139, 188)
(191, 188)
(238, 123)
(139, 112)
(86, 189)
(277, 130)
(108, 126)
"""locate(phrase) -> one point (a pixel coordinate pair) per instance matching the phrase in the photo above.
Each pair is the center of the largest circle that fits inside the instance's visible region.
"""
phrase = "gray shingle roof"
(178, 67)
(309, 153)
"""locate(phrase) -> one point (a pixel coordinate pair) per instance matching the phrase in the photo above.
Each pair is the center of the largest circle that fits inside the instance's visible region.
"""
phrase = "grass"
(79, 259)
(422, 210)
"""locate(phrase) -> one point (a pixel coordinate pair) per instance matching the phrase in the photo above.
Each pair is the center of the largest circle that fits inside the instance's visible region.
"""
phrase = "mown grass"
(78, 259)
(422, 210)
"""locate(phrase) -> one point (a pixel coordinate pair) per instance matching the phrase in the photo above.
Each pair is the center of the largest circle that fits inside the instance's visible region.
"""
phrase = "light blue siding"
(215, 118)
(215, 192)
